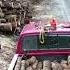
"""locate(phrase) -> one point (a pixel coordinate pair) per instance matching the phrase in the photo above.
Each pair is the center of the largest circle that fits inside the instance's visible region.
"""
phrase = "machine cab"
(52, 42)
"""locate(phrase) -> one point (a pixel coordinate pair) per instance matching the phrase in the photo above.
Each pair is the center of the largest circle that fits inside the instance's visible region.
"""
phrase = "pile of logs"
(8, 21)
(33, 64)
(12, 13)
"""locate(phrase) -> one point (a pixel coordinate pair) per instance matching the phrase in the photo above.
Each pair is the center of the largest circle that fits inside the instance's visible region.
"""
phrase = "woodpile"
(2, 20)
(34, 64)
(12, 11)
(5, 27)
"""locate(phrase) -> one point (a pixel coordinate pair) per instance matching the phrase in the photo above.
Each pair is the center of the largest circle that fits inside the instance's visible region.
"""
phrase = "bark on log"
(46, 65)
(1, 15)
(31, 61)
(17, 5)
(34, 66)
(8, 4)
(39, 67)
(65, 65)
(18, 19)
(1, 4)
(22, 65)
(27, 62)
(12, 20)
(0, 10)
(29, 68)
(2, 20)
(56, 66)
(6, 27)
(68, 60)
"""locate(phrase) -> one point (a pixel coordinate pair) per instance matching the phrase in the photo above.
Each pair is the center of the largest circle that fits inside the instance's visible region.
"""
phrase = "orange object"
(53, 24)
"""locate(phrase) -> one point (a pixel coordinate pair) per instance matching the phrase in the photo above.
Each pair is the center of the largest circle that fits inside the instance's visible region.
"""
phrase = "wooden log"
(17, 0)
(39, 67)
(22, 65)
(56, 66)
(12, 20)
(2, 20)
(6, 27)
(8, 4)
(68, 60)
(34, 66)
(17, 5)
(69, 66)
(1, 15)
(60, 67)
(29, 68)
(0, 46)
(1, 3)
(4, 10)
(27, 62)
(0, 10)
(46, 65)
(65, 64)
(18, 64)
(18, 20)
(8, 12)
(24, 4)
(31, 61)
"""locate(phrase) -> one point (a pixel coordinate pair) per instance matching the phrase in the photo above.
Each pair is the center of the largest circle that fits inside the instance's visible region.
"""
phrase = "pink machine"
(43, 42)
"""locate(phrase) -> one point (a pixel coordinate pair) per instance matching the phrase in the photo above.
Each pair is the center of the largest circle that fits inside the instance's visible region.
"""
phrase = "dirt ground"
(53, 8)
(7, 51)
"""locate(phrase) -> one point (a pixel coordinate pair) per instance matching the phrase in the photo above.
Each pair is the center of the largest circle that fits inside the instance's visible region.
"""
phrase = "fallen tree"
(5, 27)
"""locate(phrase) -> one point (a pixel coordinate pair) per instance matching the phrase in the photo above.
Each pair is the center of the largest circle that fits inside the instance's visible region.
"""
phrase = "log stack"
(5, 27)
(34, 64)
(8, 21)
(13, 7)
